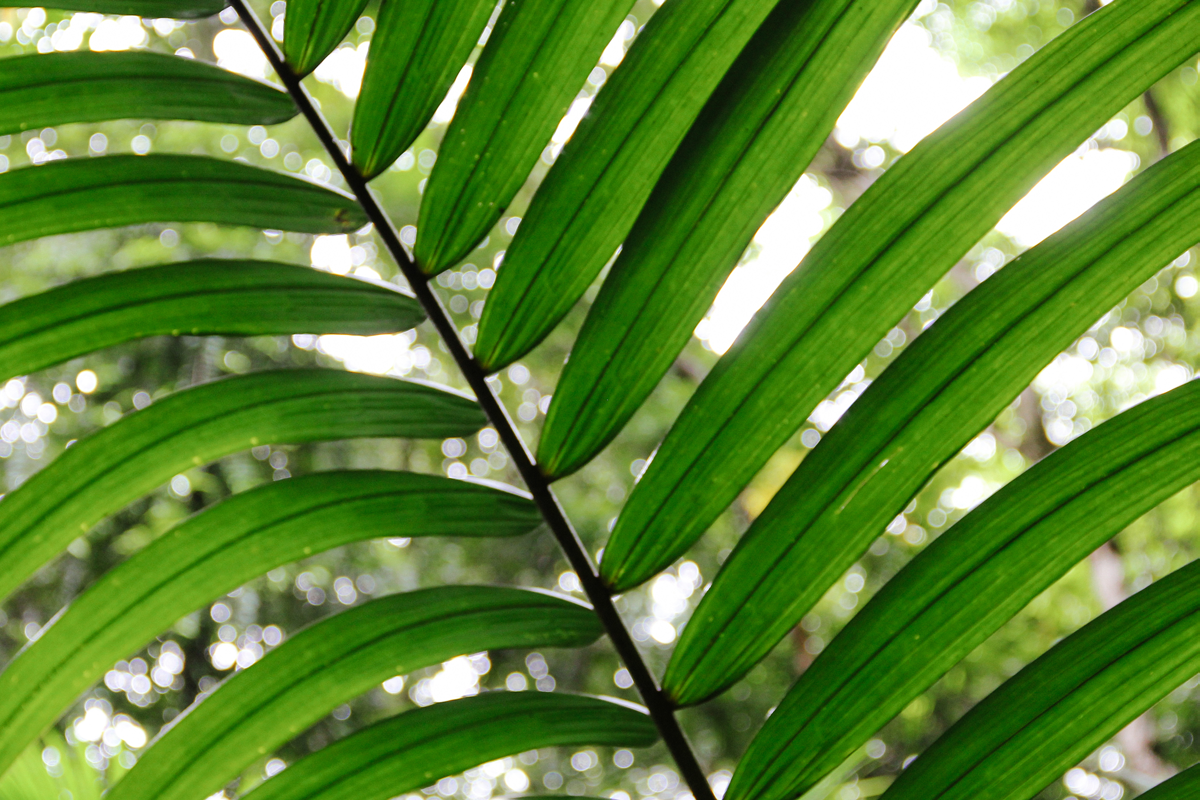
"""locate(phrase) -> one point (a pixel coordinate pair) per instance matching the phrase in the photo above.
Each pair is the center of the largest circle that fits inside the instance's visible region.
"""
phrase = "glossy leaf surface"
(219, 550)
(417, 51)
(747, 149)
(333, 662)
(968, 583)
(199, 298)
(922, 410)
(1054, 712)
(41, 91)
(883, 254)
(122, 190)
(313, 28)
(99, 475)
(537, 58)
(419, 747)
(177, 9)
(591, 197)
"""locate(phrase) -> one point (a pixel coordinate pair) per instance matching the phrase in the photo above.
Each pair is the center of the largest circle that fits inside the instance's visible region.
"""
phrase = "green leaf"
(420, 747)
(328, 664)
(748, 148)
(922, 410)
(225, 298)
(153, 9)
(236, 541)
(130, 190)
(537, 58)
(101, 474)
(29, 779)
(968, 583)
(886, 251)
(591, 197)
(1183, 786)
(39, 91)
(313, 28)
(1054, 712)
(418, 48)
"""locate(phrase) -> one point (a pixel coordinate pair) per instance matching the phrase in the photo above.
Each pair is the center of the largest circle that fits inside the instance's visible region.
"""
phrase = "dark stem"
(601, 599)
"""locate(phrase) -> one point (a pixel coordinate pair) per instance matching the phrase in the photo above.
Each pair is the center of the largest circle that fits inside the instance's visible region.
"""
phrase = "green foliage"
(1067, 702)
(922, 215)
(419, 49)
(124, 190)
(587, 204)
(823, 518)
(103, 473)
(323, 24)
(745, 152)
(224, 298)
(181, 9)
(336, 660)
(964, 587)
(411, 750)
(61, 88)
(704, 128)
(47, 772)
(523, 83)
(1179, 787)
(222, 548)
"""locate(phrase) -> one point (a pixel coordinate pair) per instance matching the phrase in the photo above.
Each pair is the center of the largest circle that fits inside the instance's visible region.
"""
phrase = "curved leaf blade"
(313, 28)
(537, 58)
(40, 91)
(115, 191)
(419, 747)
(968, 583)
(416, 53)
(940, 393)
(198, 298)
(590, 198)
(223, 547)
(335, 661)
(886, 251)
(153, 9)
(749, 146)
(1058, 709)
(99, 475)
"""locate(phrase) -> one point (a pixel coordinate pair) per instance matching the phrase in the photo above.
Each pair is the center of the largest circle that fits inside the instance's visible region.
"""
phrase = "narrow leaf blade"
(419, 747)
(538, 56)
(115, 191)
(886, 251)
(332, 662)
(589, 200)
(220, 549)
(313, 28)
(940, 393)
(40, 91)
(199, 298)
(154, 9)
(99, 475)
(968, 583)
(1054, 712)
(748, 148)
(416, 53)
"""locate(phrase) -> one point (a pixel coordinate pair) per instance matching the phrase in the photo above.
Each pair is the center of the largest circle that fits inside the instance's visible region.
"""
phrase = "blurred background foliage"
(1150, 342)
